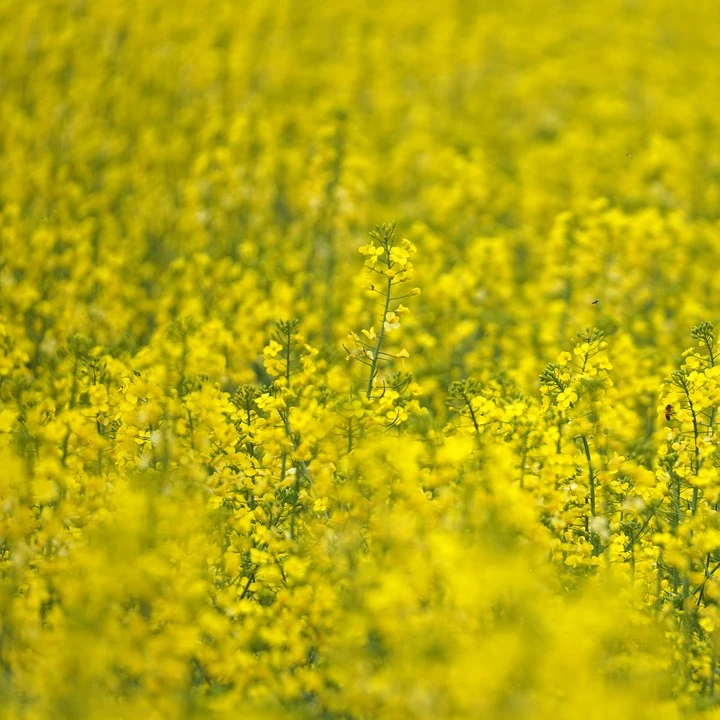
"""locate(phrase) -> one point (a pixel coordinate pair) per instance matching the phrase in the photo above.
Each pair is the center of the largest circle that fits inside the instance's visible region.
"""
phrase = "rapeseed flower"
(507, 504)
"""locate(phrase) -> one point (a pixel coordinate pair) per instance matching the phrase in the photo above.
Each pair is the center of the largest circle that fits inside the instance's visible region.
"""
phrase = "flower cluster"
(216, 504)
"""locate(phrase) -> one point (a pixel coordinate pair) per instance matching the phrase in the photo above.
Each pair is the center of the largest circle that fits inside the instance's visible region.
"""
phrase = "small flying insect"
(669, 412)
(595, 302)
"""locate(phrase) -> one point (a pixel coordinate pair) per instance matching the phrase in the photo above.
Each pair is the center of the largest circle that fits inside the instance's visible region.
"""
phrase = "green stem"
(591, 475)
(473, 417)
(378, 342)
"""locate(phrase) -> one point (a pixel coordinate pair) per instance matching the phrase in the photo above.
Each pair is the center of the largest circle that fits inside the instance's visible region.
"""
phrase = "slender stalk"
(591, 475)
(473, 417)
(379, 339)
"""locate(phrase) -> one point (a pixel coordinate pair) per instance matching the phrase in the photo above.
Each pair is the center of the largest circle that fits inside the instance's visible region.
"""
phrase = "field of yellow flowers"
(357, 359)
